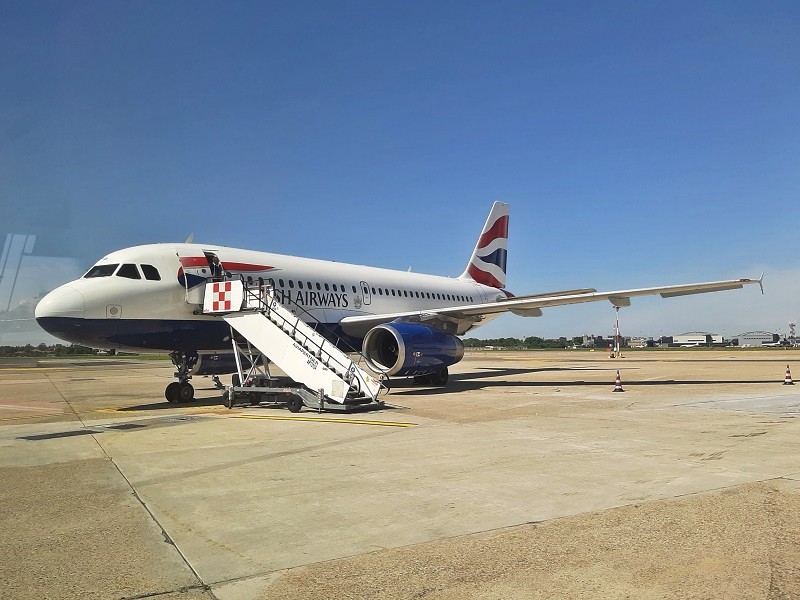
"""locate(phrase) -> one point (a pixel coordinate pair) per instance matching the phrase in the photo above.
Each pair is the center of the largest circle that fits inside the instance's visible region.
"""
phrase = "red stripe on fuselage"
(236, 266)
(498, 230)
(202, 261)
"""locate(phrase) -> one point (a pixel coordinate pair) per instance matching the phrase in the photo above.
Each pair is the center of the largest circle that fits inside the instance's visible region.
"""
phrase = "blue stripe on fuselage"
(161, 334)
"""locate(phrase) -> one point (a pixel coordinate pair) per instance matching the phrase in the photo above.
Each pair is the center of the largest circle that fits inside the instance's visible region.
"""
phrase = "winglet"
(189, 239)
(761, 282)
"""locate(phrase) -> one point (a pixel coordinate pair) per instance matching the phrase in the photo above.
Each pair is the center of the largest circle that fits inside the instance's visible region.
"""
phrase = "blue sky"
(637, 143)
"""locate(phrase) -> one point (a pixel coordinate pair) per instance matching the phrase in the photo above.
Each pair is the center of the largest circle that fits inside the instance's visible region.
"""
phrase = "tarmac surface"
(527, 477)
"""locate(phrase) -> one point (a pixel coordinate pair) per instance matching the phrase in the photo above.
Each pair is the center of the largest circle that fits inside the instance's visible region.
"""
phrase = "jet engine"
(410, 349)
(216, 364)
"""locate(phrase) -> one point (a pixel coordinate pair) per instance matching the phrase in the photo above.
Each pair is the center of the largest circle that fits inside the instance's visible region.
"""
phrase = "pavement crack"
(167, 538)
(180, 590)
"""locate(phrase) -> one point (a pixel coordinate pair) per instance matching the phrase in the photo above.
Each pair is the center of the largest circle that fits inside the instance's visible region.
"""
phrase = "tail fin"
(488, 262)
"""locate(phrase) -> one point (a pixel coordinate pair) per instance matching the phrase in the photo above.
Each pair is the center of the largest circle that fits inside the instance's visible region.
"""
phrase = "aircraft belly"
(185, 335)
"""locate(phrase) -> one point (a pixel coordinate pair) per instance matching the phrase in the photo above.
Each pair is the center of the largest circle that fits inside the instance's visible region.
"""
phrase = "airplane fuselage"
(148, 298)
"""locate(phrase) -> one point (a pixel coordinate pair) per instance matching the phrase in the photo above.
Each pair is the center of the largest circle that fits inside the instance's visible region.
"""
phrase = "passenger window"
(291, 283)
(327, 287)
(280, 282)
(151, 273)
(373, 291)
(354, 289)
(334, 287)
(392, 292)
(380, 292)
(319, 287)
(309, 285)
(101, 271)
(129, 271)
(300, 284)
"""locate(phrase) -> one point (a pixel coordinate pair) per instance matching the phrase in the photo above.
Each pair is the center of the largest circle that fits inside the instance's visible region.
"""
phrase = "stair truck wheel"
(229, 398)
(295, 403)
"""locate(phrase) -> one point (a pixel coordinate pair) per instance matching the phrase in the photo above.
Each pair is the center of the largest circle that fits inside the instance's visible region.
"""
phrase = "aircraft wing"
(532, 305)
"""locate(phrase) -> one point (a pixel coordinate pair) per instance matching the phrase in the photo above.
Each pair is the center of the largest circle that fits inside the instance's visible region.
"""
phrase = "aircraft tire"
(439, 377)
(171, 393)
(185, 392)
(294, 404)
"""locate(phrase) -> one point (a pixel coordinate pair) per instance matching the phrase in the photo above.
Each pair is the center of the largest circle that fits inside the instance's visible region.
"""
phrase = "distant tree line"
(528, 343)
(45, 350)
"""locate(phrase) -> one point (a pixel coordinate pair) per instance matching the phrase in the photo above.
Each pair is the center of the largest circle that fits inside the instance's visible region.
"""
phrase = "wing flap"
(527, 304)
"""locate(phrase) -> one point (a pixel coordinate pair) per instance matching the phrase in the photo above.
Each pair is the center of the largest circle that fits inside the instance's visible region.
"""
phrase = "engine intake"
(410, 349)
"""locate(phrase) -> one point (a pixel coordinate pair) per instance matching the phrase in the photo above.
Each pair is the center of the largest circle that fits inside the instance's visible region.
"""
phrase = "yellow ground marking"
(126, 410)
(326, 420)
(31, 417)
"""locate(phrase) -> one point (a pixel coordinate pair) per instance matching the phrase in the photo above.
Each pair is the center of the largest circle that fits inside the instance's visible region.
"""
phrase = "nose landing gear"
(181, 390)
(437, 378)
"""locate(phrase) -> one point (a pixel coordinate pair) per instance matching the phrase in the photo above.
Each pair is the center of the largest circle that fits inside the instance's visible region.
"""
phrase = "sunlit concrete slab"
(239, 500)
(784, 404)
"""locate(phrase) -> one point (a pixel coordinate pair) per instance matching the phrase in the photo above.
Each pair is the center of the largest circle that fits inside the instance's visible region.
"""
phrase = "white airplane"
(149, 298)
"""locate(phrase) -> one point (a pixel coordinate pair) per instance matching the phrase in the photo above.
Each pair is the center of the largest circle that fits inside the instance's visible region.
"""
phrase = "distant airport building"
(755, 338)
(598, 341)
(697, 338)
(641, 342)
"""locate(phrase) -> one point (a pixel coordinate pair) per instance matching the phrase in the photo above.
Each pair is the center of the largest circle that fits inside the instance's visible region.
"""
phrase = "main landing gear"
(181, 390)
(437, 378)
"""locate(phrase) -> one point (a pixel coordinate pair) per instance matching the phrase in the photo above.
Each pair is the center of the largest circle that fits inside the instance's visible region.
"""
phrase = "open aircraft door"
(193, 274)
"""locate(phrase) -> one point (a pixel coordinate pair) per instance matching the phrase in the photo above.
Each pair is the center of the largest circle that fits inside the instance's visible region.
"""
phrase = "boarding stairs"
(330, 378)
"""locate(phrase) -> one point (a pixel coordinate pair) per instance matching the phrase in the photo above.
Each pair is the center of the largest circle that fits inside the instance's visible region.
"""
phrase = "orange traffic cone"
(787, 379)
(618, 384)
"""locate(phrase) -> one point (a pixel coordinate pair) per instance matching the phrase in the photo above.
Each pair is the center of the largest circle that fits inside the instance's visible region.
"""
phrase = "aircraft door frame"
(194, 266)
(481, 293)
(366, 295)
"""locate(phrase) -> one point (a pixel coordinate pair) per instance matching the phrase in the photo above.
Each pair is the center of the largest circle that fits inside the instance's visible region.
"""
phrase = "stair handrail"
(260, 296)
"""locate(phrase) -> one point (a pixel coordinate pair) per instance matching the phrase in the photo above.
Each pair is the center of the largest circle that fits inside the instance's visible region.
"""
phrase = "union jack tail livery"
(488, 262)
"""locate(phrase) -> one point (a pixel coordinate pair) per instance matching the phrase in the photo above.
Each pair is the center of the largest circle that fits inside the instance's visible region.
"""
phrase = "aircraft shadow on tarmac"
(217, 400)
(465, 382)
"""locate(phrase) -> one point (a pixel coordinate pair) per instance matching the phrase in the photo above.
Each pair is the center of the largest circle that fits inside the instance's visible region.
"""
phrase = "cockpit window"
(101, 271)
(150, 272)
(129, 271)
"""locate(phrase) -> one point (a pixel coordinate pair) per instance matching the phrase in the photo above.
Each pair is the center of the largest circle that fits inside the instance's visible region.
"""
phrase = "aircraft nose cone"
(64, 301)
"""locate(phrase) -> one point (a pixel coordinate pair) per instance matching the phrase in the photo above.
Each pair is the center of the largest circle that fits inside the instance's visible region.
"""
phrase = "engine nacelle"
(410, 349)
(215, 364)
